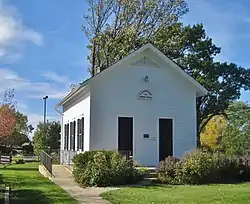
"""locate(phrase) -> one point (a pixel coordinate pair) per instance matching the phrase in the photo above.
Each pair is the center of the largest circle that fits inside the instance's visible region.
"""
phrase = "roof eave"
(71, 94)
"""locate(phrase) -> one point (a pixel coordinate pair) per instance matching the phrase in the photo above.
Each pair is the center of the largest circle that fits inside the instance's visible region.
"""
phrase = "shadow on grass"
(29, 196)
(19, 169)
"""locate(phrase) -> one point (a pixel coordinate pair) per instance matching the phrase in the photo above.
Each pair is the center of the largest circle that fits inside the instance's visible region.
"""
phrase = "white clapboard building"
(144, 104)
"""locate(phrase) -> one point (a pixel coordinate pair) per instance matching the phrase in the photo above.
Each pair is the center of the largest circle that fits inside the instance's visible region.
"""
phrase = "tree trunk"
(93, 59)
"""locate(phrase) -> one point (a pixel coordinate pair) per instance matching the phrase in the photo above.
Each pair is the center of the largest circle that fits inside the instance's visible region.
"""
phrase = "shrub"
(55, 158)
(18, 159)
(202, 167)
(27, 148)
(195, 168)
(104, 168)
(5, 150)
(167, 170)
(227, 168)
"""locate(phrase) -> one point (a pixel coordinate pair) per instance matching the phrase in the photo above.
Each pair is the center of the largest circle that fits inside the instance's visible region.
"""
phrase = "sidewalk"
(65, 180)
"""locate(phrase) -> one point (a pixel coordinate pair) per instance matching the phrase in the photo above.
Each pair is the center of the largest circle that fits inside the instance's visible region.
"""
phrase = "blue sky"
(43, 50)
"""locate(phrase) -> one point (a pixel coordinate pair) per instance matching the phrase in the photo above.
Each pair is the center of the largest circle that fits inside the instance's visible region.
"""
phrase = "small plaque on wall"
(145, 136)
(144, 95)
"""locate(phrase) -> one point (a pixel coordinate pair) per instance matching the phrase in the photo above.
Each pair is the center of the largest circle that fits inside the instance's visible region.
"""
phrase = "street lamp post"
(44, 114)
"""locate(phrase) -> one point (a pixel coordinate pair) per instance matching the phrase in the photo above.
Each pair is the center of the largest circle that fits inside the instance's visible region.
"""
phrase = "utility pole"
(44, 113)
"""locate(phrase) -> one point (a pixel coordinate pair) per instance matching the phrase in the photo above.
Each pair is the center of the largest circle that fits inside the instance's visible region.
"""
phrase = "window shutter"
(74, 135)
(65, 137)
(78, 134)
(82, 127)
(70, 130)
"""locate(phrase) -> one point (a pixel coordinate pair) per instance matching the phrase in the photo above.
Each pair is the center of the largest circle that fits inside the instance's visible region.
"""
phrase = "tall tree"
(50, 141)
(39, 139)
(7, 117)
(8, 98)
(20, 132)
(7, 121)
(212, 134)
(116, 27)
(236, 139)
(53, 136)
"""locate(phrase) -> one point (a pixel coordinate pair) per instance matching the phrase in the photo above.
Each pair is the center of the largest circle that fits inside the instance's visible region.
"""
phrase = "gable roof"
(201, 91)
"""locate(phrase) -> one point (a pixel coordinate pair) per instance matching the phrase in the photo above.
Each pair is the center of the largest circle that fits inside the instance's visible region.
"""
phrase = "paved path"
(64, 179)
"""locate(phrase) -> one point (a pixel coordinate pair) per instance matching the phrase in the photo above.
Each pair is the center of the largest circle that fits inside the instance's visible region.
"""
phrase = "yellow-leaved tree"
(213, 131)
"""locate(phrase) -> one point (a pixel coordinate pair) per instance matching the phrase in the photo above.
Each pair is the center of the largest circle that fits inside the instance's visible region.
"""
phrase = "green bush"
(55, 157)
(5, 150)
(104, 168)
(202, 167)
(27, 149)
(167, 170)
(196, 168)
(18, 159)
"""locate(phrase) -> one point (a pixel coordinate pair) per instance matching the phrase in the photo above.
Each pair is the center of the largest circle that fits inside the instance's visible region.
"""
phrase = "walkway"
(65, 180)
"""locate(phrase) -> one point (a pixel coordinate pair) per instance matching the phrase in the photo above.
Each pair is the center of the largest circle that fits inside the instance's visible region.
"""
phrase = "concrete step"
(151, 172)
(146, 182)
(149, 169)
(151, 175)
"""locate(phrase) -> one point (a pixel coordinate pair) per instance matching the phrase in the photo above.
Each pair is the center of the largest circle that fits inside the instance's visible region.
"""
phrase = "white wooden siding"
(75, 109)
(115, 93)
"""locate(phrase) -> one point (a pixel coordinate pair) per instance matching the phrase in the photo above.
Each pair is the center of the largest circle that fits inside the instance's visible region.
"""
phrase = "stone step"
(151, 175)
(149, 169)
(146, 182)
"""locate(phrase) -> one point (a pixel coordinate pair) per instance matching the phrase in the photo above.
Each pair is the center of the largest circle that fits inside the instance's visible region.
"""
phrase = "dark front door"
(125, 134)
(165, 138)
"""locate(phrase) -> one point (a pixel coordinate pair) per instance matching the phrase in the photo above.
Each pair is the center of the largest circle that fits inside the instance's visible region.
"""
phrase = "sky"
(43, 49)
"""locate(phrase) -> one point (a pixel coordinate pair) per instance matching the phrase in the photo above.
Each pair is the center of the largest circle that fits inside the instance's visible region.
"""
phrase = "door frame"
(117, 129)
(158, 135)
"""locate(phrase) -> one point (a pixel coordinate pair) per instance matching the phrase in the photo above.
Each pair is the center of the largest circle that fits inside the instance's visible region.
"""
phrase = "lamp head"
(146, 79)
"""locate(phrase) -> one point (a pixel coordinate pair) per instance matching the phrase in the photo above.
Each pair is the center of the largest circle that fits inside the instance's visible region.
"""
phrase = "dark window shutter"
(70, 130)
(82, 124)
(78, 134)
(65, 137)
(74, 135)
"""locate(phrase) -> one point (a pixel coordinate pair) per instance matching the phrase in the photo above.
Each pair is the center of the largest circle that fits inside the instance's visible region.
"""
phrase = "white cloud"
(61, 28)
(14, 34)
(222, 21)
(30, 89)
(55, 77)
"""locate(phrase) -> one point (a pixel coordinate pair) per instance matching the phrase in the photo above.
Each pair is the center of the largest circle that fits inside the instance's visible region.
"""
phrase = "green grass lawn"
(30, 187)
(215, 194)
